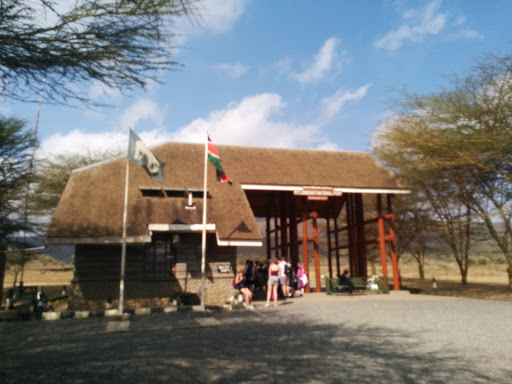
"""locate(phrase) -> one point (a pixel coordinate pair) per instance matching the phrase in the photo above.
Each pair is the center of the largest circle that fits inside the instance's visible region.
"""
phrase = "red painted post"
(394, 260)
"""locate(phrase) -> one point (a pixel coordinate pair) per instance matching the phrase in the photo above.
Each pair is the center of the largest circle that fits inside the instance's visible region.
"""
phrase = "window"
(160, 257)
(151, 192)
(175, 192)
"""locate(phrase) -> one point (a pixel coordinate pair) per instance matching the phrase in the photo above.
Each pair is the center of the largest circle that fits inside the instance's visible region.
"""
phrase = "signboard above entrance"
(317, 193)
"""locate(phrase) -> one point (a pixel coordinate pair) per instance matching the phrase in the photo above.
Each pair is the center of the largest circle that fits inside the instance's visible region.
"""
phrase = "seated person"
(240, 284)
(344, 279)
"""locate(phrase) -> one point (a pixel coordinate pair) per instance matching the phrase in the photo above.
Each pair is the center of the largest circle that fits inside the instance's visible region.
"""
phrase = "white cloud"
(220, 15)
(324, 61)
(254, 121)
(235, 71)
(144, 115)
(217, 16)
(419, 24)
(141, 110)
(429, 21)
(333, 104)
(78, 141)
(465, 34)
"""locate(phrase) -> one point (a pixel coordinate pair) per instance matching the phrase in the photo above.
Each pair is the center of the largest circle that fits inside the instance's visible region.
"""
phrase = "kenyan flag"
(214, 157)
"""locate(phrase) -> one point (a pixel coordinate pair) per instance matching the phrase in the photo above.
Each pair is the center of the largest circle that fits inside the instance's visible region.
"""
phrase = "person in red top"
(273, 281)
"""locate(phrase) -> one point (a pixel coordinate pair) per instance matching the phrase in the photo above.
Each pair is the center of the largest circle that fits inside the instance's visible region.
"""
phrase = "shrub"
(483, 260)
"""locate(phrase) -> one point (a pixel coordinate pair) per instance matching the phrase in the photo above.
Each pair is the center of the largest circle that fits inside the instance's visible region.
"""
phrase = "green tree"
(15, 174)
(122, 44)
(459, 139)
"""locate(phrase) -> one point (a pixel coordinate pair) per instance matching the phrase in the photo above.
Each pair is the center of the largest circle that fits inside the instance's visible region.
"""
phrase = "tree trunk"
(421, 271)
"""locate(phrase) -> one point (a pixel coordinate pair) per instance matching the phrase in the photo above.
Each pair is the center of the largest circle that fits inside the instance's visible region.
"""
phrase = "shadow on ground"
(240, 347)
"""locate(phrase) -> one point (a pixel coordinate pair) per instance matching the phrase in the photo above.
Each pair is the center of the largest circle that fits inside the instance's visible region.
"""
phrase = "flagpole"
(123, 249)
(203, 242)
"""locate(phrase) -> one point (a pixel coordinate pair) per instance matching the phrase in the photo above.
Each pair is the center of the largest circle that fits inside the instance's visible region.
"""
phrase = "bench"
(332, 285)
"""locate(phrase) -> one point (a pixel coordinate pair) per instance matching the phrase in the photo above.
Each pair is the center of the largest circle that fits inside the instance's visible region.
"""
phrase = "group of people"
(270, 279)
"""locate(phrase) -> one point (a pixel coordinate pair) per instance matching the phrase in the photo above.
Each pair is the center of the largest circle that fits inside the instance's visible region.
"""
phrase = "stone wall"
(97, 274)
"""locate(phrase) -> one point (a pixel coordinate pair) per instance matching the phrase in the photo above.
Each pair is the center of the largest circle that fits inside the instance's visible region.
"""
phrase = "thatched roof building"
(91, 207)
(164, 219)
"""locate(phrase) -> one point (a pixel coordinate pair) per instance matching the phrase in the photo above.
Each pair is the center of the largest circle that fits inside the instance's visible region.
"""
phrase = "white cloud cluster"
(419, 24)
(253, 121)
(333, 104)
(325, 60)
(77, 141)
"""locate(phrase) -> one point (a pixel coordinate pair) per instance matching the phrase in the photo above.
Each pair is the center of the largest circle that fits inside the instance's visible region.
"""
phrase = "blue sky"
(287, 73)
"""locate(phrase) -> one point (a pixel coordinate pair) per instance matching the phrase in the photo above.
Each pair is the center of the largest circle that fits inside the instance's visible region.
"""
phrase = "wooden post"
(316, 252)
(269, 239)
(305, 255)
(284, 224)
(361, 237)
(294, 237)
(277, 226)
(352, 235)
(382, 241)
(337, 242)
(329, 246)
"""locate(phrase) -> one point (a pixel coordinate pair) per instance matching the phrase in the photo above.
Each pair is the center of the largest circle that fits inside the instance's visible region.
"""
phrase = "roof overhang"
(98, 240)
(181, 227)
(187, 228)
(299, 188)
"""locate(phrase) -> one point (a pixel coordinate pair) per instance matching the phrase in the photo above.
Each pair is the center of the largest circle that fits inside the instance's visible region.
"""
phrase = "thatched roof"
(91, 206)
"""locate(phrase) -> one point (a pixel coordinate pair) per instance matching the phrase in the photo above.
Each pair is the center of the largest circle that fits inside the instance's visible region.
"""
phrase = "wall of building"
(97, 274)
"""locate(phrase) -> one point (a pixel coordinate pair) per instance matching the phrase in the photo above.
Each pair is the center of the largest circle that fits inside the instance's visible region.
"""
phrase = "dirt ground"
(487, 291)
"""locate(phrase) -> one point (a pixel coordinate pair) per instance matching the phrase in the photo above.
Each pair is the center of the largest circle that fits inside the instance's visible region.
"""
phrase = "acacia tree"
(15, 174)
(121, 44)
(462, 135)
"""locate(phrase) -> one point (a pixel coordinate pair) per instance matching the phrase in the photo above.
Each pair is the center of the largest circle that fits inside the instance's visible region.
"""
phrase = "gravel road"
(315, 339)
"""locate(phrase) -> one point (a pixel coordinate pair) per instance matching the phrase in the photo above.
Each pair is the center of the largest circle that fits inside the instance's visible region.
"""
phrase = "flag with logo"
(214, 157)
(140, 154)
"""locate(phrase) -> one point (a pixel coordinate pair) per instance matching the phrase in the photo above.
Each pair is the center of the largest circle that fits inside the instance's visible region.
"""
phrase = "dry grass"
(488, 281)
(47, 273)
(487, 291)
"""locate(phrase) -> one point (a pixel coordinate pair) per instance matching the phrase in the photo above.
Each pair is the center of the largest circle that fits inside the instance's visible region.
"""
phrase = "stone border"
(15, 315)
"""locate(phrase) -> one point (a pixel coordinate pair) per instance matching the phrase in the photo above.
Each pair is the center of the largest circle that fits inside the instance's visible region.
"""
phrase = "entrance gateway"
(287, 208)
